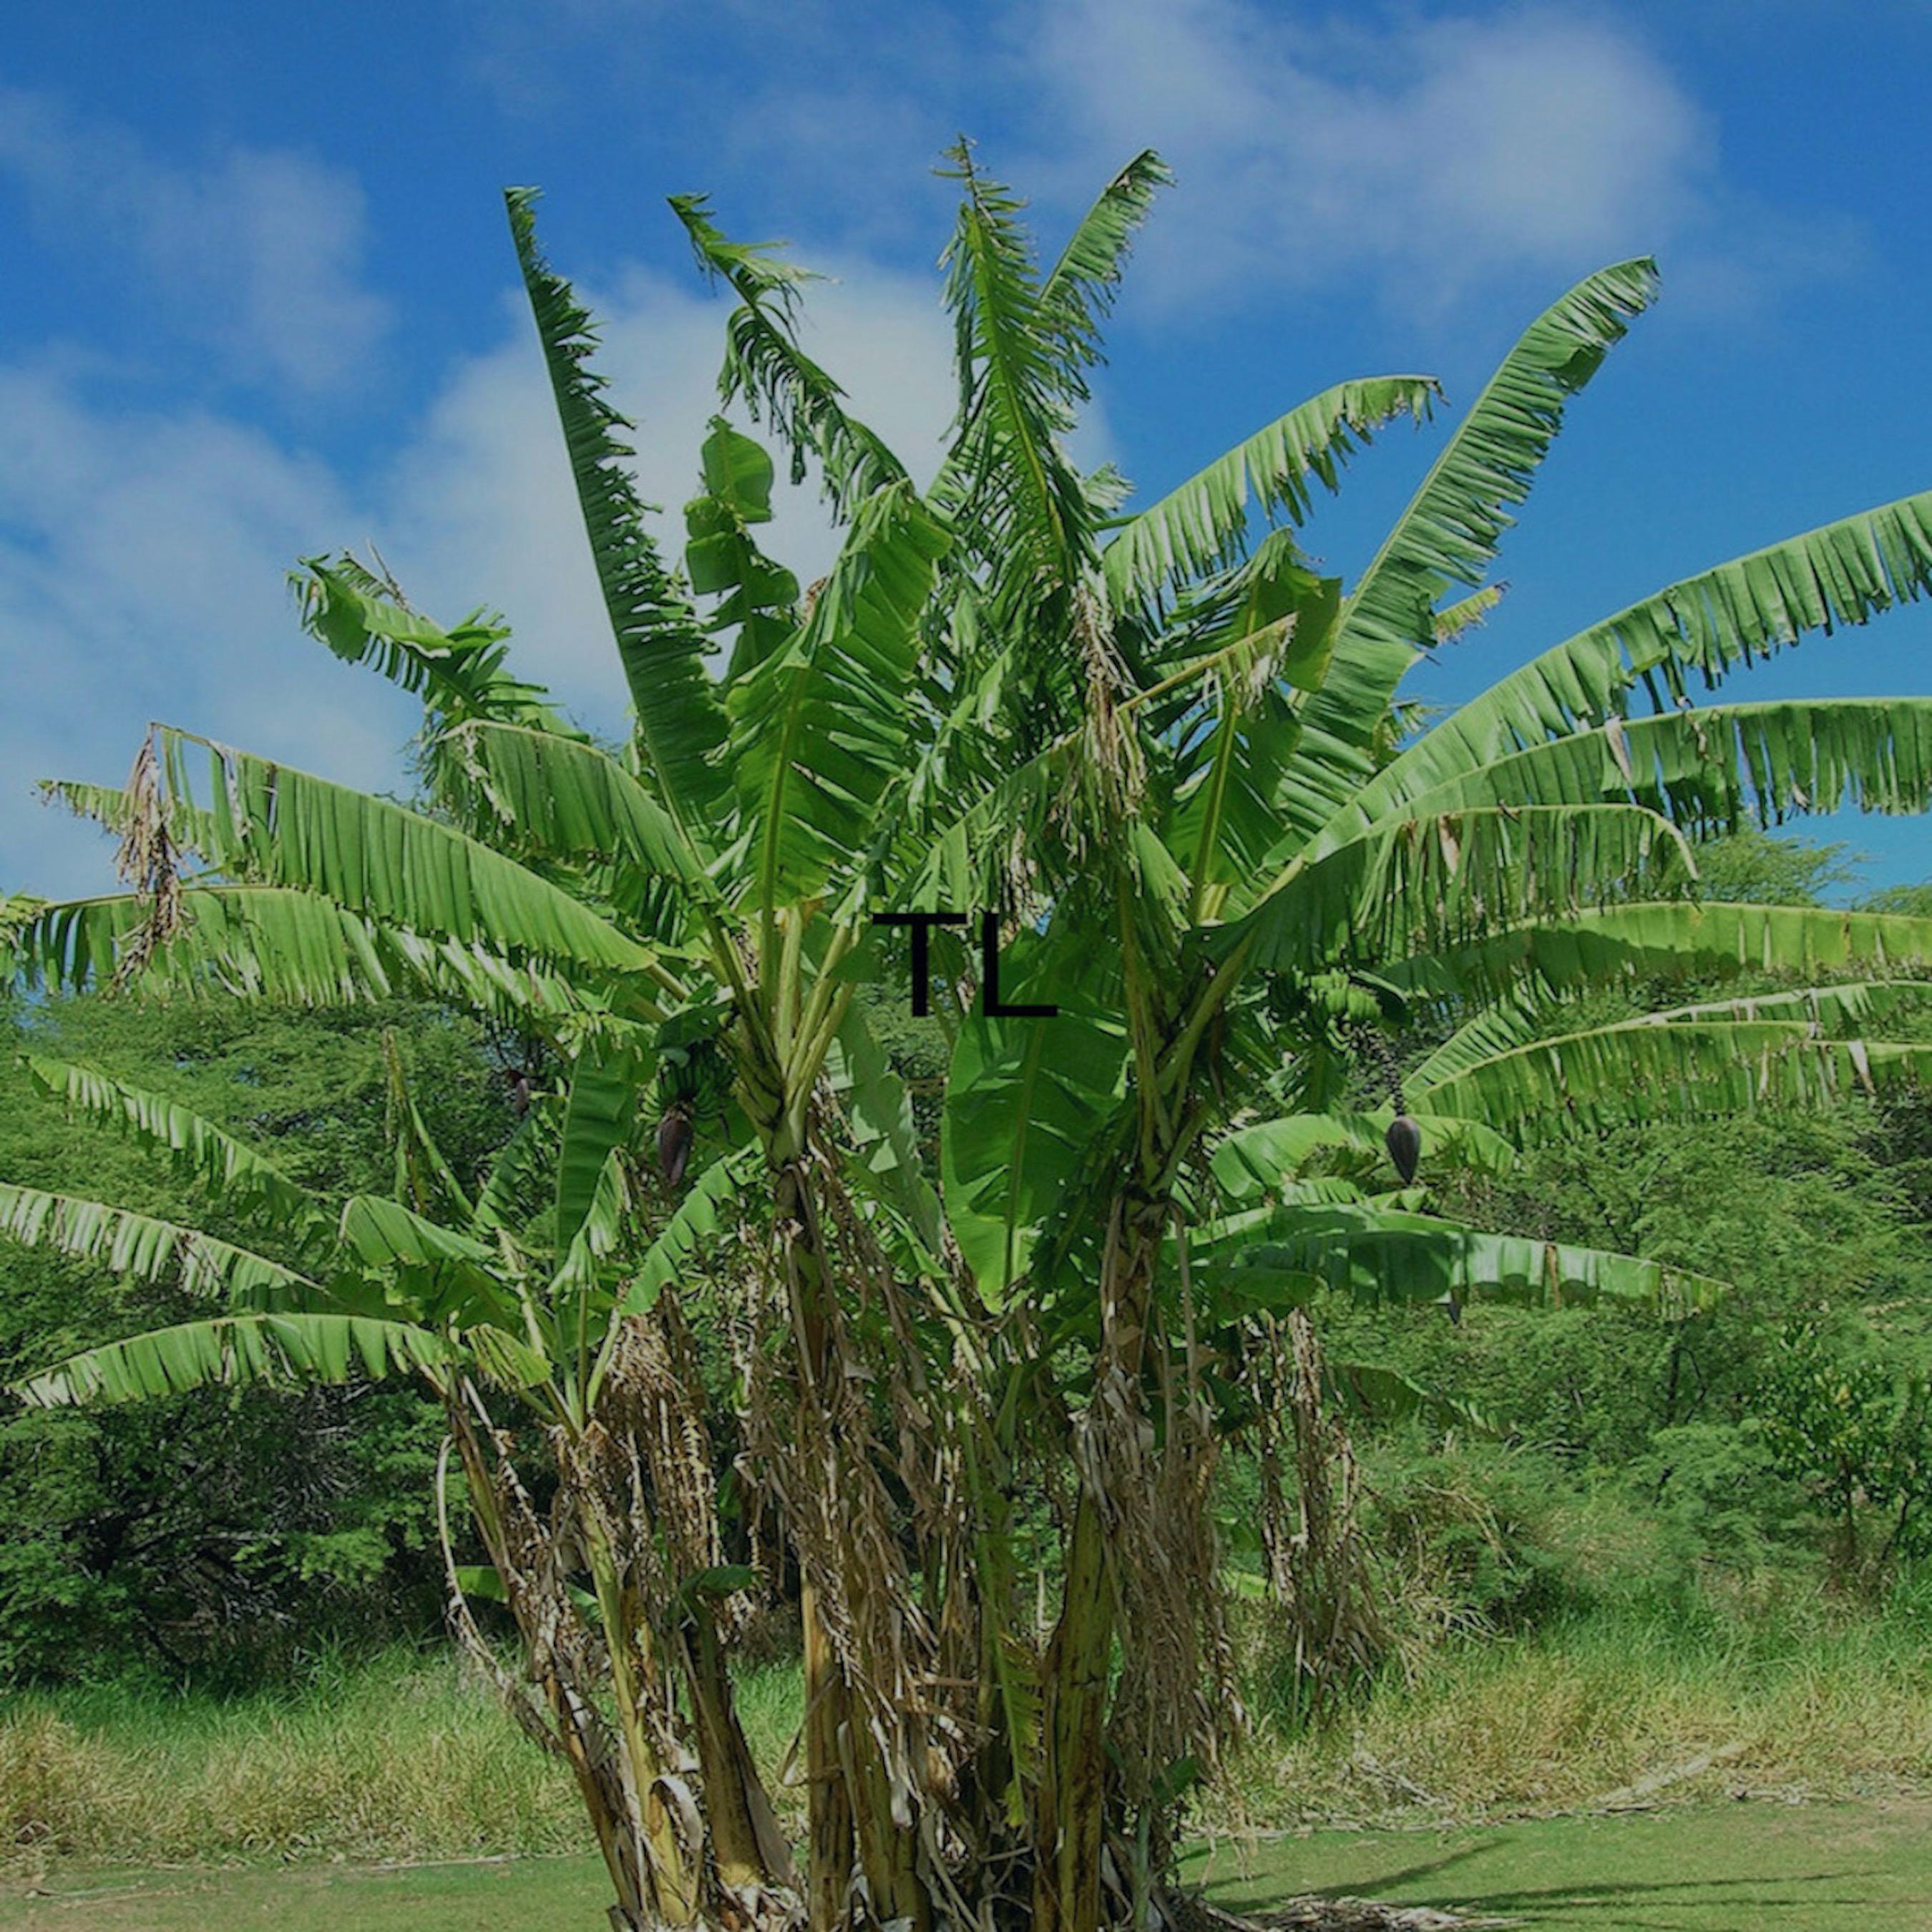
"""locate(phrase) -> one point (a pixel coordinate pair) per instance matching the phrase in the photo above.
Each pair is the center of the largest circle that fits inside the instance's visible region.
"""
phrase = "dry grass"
(1560, 1722)
(397, 1762)
(406, 1759)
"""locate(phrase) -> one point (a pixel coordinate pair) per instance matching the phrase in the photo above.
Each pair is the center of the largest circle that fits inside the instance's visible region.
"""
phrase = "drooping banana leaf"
(567, 800)
(1842, 575)
(599, 1118)
(458, 672)
(777, 382)
(236, 1350)
(698, 1218)
(1450, 532)
(1277, 1256)
(228, 1168)
(274, 944)
(1617, 944)
(1843, 1011)
(1200, 526)
(1713, 770)
(1422, 883)
(1254, 1161)
(519, 1189)
(273, 826)
(1640, 1070)
(144, 1247)
(383, 1233)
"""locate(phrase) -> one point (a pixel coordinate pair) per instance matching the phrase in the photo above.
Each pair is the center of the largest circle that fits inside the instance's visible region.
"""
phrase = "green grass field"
(1711, 1868)
(559, 1894)
(1731, 1868)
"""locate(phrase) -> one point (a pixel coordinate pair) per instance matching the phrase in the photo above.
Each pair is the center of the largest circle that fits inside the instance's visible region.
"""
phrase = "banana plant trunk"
(753, 1861)
(615, 1770)
(853, 1832)
(673, 1870)
(1070, 1813)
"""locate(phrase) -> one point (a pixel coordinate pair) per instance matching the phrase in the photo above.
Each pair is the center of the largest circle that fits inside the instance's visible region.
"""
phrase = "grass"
(1768, 1868)
(406, 1759)
(1744, 1868)
(518, 1895)
(1822, 1705)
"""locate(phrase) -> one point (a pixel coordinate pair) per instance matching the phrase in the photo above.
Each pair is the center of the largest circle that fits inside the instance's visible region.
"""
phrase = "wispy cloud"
(256, 253)
(1428, 155)
(142, 575)
(142, 551)
(1422, 150)
(1429, 152)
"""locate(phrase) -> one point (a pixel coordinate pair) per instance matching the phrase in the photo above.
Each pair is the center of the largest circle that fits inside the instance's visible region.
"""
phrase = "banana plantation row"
(1235, 882)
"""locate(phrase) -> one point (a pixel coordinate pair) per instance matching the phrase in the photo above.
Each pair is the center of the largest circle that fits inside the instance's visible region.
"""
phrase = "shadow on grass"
(1796, 1893)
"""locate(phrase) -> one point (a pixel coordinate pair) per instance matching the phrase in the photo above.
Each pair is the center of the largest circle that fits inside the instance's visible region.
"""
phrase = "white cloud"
(1430, 153)
(141, 555)
(1423, 155)
(141, 562)
(258, 252)
(1423, 151)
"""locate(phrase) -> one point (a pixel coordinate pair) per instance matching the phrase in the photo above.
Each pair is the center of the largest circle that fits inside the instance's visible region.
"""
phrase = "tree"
(1850, 1422)
(1207, 765)
(1172, 760)
(228, 1538)
(1752, 866)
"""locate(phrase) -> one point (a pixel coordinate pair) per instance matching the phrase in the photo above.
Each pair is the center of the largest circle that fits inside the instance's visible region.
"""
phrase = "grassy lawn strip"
(1717, 1868)
(543, 1894)
(1709, 1868)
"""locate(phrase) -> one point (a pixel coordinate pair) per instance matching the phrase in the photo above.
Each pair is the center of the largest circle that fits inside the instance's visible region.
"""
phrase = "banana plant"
(1225, 852)
(709, 880)
(555, 1289)
(1174, 760)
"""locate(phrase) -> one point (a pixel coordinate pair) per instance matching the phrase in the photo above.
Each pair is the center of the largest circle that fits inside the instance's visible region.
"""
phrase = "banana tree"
(1173, 759)
(548, 1289)
(1221, 849)
(711, 881)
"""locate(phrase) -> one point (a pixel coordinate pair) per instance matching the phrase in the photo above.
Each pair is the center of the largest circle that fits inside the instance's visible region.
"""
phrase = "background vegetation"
(220, 1540)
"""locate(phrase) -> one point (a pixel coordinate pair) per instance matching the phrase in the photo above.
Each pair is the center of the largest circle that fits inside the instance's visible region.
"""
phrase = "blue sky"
(258, 302)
